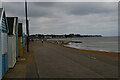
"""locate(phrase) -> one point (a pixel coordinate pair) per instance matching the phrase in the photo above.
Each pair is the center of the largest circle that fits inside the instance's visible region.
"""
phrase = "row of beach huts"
(12, 42)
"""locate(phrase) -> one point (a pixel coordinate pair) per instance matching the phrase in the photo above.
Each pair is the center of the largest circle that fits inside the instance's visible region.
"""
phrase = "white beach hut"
(12, 40)
(3, 44)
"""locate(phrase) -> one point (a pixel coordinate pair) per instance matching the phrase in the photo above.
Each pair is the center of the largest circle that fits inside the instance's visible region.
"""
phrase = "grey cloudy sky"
(68, 17)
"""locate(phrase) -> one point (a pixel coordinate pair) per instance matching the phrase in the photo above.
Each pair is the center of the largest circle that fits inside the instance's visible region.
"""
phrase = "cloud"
(61, 0)
(68, 17)
(14, 8)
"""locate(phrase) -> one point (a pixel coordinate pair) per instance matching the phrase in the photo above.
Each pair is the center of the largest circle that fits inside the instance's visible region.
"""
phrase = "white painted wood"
(12, 51)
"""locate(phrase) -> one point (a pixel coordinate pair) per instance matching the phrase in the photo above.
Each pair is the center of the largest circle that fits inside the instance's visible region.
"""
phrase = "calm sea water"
(108, 44)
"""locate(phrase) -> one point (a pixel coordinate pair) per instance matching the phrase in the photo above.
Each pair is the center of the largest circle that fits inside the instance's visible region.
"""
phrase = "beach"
(51, 60)
(106, 44)
(60, 60)
(59, 40)
(63, 43)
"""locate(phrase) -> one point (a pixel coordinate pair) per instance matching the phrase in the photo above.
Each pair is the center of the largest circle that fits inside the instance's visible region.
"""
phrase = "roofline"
(2, 14)
(1, 17)
(12, 17)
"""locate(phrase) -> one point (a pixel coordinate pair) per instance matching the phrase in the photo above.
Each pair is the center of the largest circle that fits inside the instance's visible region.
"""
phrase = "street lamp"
(27, 26)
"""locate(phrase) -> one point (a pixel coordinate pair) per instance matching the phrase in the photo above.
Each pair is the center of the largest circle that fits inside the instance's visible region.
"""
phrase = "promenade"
(47, 60)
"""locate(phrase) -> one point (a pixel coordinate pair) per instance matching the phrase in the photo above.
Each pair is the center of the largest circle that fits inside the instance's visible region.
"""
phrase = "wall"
(4, 41)
(0, 57)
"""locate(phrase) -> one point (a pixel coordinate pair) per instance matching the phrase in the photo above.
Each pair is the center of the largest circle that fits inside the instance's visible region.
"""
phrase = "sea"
(107, 44)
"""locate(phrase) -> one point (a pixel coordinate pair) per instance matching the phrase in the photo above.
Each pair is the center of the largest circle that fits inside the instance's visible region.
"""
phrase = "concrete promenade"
(47, 60)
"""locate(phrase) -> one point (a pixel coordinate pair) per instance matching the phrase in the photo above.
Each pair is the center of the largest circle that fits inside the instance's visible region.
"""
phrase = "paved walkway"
(48, 60)
(54, 61)
(24, 68)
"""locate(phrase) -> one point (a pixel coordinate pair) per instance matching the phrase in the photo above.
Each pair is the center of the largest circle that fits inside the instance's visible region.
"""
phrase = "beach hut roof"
(12, 25)
(2, 14)
(20, 29)
(0, 11)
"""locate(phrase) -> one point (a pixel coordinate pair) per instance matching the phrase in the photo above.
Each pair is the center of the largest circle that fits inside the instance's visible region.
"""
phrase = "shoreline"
(112, 55)
(93, 50)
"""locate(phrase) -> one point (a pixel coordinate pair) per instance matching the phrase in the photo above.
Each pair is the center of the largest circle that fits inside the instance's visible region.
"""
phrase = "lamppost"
(27, 27)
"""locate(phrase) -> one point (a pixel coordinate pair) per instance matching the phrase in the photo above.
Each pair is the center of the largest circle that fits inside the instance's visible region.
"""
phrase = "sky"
(67, 17)
(60, 0)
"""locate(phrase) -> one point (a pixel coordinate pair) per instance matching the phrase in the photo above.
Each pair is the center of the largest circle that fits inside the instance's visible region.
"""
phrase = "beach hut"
(20, 35)
(3, 44)
(23, 40)
(12, 40)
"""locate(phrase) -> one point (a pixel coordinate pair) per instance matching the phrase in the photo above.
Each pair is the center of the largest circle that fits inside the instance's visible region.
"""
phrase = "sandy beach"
(103, 53)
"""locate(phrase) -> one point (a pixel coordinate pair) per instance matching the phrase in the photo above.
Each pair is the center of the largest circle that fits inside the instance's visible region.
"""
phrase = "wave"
(88, 48)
